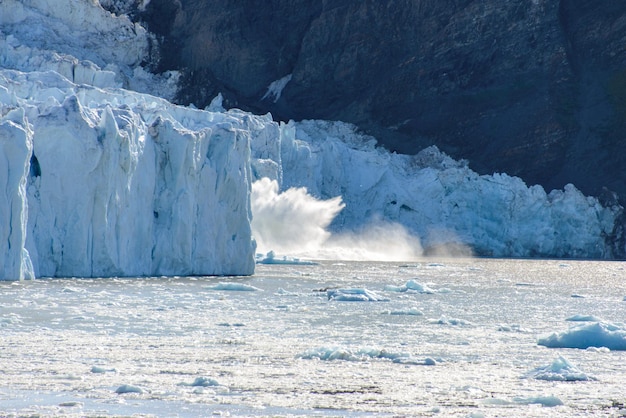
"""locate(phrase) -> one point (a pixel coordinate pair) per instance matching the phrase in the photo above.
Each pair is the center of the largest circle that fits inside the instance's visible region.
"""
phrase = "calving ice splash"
(295, 223)
(101, 180)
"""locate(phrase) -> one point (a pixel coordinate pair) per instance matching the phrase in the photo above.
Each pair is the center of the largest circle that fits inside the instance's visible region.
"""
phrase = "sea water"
(449, 337)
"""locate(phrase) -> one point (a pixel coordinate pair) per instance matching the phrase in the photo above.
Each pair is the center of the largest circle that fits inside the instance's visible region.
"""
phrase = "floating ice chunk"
(354, 295)
(548, 401)
(428, 361)
(393, 288)
(411, 285)
(511, 328)
(329, 353)
(70, 404)
(284, 292)
(597, 334)
(128, 389)
(561, 370)
(583, 318)
(98, 369)
(449, 321)
(230, 286)
(411, 311)
(418, 287)
(204, 382)
(363, 354)
(270, 258)
(598, 349)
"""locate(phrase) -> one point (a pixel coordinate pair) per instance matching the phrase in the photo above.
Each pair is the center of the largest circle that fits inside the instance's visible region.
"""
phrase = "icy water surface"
(461, 341)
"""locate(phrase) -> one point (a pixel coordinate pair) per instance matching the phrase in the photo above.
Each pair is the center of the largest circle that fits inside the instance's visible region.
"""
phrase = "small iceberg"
(128, 389)
(561, 370)
(583, 318)
(511, 328)
(202, 382)
(443, 320)
(237, 287)
(547, 401)
(354, 295)
(270, 258)
(364, 354)
(597, 334)
(409, 312)
(410, 286)
(98, 369)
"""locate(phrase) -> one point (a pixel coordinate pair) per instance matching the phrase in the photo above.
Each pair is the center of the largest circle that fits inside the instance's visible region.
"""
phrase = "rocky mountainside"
(533, 88)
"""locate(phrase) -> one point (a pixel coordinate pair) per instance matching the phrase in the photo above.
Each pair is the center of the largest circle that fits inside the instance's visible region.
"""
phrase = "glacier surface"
(103, 176)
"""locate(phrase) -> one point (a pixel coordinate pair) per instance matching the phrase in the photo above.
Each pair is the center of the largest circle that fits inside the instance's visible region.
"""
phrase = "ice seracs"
(81, 41)
(442, 202)
(16, 146)
(123, 184)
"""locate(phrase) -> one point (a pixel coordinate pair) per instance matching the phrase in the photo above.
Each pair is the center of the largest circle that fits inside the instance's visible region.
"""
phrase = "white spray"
(295, 223)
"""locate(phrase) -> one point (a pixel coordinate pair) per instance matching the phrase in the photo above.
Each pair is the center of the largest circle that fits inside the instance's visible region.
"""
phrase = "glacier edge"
(117, 183)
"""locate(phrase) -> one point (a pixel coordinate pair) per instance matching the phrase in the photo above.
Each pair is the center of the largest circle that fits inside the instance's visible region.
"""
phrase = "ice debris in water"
(411, 311)
(560, 370)
(203, 382)
(583, 318)
(354, 295)
(597, 334)
(271, 258)
(410, 286)
(549, 401)
(511, 328)
(362, 354)
(449, 321)
(128, 389)
(98, 369)
(241, 287)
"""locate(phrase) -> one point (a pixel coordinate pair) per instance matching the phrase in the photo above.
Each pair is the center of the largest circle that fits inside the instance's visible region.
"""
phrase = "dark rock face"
(533, 88)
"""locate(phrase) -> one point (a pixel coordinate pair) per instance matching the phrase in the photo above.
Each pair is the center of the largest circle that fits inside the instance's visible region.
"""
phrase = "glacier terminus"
(104, 176)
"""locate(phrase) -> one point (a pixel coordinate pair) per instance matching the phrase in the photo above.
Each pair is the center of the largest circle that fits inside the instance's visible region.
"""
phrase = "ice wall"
(119, 183)
(15, 150)
(438, 199)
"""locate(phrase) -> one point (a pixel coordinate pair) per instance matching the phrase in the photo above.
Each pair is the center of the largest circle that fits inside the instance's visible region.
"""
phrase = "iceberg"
(597, 334)
(354, 295)
(561, 370)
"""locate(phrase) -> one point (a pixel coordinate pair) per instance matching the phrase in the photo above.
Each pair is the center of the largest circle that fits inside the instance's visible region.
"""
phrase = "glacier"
(104, 176)
(449, 207)
(121, 183)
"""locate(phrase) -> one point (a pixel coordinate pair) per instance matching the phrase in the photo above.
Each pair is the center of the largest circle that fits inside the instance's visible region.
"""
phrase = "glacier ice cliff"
(100, 180)
(120, 183)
